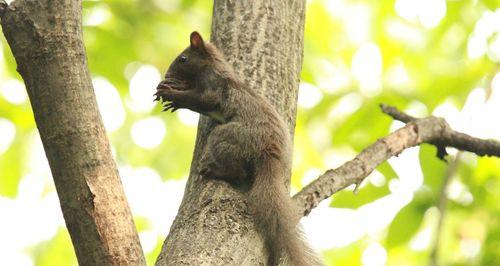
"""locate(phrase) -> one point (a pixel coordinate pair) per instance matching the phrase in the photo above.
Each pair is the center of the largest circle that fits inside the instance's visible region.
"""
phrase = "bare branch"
(431, 130)
(451, 138)
(442, 204)
(396, 114)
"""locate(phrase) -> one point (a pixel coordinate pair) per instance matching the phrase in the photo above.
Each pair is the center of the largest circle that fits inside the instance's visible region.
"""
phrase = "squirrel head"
(203, 74)
(191, 62)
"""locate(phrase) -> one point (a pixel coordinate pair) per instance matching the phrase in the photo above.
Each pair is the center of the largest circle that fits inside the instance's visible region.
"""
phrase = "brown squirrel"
(250, 144)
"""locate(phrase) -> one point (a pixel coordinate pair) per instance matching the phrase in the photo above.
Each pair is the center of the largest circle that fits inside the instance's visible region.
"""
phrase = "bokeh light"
(148, 133)
(142, 87)
(110, 104)
(13, 91)
(7, 134)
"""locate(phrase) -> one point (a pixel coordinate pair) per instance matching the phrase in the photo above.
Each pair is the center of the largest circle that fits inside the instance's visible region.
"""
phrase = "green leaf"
(57, 251)
(492, 4)
(367, 194)
(491, 247)
(11, 172)
(433, 169)
(386, 169)
(404, 226)
(348, 255)
(153, 255)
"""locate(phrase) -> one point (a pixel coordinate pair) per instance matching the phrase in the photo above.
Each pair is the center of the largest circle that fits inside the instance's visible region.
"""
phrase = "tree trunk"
(46, 39)
(263, 40)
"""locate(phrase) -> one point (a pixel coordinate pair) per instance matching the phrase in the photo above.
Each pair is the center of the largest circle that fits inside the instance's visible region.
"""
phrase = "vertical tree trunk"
(263, 40)
(46, 39)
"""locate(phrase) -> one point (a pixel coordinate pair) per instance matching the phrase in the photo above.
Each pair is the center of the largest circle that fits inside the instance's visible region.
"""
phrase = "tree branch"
(442, 204)
(431, 130)
(451, 138)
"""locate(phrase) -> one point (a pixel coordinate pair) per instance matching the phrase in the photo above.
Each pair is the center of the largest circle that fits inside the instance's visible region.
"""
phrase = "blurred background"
(425, 56)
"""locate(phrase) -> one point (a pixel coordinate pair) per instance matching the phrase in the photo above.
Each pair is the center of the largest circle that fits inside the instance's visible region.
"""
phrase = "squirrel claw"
(166, 108)
(157, 97)
(170, 106)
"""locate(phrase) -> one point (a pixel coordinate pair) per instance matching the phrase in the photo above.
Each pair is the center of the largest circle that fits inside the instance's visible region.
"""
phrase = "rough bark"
(46, 39)
(263, 40)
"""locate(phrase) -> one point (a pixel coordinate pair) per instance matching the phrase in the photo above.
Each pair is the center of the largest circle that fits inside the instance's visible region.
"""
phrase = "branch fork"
(432, 130)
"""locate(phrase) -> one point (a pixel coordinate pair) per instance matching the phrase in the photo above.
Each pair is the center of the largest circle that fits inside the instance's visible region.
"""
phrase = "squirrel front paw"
(165, 93)
(168, 88)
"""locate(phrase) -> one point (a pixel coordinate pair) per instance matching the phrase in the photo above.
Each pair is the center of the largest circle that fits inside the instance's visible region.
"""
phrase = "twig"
(431, 130)
(396, 114)
(450, 137)
(442, 203)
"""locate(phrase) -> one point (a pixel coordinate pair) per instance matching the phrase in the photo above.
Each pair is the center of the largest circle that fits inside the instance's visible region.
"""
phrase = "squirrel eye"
(183, 58)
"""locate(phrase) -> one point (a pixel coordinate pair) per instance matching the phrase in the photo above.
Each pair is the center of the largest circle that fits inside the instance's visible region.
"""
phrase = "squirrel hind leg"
(227, 165)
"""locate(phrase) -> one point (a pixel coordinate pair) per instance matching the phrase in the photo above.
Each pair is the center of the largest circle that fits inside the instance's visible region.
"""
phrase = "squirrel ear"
(197, 41)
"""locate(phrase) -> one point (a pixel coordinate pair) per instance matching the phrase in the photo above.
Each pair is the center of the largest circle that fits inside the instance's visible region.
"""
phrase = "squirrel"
(250, 144)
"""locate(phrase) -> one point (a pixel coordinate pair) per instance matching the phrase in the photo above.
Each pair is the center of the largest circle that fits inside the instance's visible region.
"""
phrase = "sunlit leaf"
(58, 251)
(404, 226)
(433, 169)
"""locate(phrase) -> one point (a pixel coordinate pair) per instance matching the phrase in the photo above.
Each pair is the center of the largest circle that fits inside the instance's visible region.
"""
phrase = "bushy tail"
(277, 219)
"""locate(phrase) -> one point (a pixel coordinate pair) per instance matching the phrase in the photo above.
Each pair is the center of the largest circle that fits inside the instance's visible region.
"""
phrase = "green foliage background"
(421, 69)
